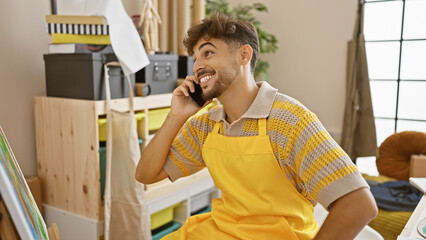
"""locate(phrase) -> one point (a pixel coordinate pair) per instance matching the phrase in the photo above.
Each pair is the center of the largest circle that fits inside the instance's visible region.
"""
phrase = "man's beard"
(224, 79)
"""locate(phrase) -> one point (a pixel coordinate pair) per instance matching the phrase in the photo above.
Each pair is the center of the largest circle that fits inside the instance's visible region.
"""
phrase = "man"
(270, 156)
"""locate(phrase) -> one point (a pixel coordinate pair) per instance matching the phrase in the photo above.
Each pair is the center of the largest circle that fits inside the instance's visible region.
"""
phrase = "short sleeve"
(185, 155)
(326, 170)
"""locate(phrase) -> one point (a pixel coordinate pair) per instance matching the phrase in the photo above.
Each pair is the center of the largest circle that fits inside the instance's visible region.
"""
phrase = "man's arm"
(150, 166)
(348, 215)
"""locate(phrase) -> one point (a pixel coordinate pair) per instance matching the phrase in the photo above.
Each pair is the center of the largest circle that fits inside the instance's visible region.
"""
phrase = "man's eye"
(207, 53)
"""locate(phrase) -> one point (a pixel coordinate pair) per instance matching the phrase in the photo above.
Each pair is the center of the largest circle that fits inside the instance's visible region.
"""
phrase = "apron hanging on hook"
(126, 215)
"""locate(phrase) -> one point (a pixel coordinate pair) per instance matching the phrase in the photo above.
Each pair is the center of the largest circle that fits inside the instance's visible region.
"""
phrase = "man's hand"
(348, 216)
(150, 166)
(182, 104)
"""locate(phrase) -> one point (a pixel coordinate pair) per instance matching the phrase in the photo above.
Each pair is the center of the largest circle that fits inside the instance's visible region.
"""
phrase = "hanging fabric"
(126, 216)
(359, 131)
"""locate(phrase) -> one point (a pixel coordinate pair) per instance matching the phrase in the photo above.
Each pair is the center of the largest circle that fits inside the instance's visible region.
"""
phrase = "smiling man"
(270, 155)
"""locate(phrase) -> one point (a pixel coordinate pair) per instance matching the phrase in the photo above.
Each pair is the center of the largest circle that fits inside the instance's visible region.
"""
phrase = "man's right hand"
(150, 166)
(182, 104)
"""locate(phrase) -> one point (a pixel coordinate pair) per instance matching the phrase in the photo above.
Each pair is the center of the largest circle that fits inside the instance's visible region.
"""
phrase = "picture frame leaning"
(17, 196)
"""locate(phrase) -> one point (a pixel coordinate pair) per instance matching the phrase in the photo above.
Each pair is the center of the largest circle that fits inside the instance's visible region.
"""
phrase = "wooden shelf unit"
(68, 149)
(68, 159)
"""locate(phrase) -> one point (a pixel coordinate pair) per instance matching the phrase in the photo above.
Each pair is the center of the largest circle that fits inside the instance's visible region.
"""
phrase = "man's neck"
(239, 96)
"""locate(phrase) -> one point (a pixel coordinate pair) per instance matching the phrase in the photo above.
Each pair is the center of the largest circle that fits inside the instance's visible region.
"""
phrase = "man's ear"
(246, 52)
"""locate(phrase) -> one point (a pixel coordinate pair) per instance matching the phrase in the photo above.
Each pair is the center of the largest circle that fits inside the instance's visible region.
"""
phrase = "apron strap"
(261, 122)
(216, 127)
(107, 87)
(262, 127)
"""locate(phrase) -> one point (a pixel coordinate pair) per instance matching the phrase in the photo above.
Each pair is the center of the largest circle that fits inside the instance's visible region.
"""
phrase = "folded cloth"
(396, 196)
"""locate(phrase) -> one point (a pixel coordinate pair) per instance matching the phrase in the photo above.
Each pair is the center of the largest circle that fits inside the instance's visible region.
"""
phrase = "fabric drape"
(359, 131)
(126, 215)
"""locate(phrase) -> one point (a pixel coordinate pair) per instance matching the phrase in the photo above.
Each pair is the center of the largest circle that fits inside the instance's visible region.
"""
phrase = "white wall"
(310, 64)
(22, 43)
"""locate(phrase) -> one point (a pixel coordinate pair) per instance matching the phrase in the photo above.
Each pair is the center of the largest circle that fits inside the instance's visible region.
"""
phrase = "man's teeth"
(203, 79)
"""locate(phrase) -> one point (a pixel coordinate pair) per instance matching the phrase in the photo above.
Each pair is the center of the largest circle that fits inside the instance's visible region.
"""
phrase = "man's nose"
(198, 66)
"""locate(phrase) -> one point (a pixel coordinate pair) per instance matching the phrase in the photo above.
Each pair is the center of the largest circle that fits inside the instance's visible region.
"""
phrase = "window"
(395, 41)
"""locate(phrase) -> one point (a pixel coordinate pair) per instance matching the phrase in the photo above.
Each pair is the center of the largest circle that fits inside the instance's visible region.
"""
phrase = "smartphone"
(197, 95)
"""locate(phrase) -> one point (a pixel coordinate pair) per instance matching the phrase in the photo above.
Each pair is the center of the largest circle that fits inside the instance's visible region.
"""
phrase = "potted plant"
(267, 41)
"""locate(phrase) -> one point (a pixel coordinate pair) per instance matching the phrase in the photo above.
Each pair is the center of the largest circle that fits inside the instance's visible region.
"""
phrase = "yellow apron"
(258, 202)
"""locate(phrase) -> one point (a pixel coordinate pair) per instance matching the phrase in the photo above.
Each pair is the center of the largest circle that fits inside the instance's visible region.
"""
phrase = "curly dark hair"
(235, 32)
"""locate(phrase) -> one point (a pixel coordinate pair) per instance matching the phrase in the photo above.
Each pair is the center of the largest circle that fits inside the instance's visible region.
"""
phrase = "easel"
(53, 232)
(20, 216)
(9, 232)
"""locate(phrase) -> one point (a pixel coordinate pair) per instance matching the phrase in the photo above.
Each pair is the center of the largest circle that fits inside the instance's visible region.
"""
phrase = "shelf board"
(164, 187)
(140, 103)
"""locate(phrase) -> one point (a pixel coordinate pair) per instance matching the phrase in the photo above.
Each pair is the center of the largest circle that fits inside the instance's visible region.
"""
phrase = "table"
(410, 229)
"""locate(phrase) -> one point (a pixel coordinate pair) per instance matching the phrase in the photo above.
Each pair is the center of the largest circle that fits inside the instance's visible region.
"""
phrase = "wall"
(310, 64)
(22, 43)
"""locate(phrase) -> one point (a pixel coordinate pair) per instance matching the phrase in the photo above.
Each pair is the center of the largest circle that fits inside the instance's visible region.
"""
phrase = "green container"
(102, 167)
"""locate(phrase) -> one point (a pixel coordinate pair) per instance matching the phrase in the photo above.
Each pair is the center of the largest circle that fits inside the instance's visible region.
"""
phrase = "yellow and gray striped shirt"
(309, 157)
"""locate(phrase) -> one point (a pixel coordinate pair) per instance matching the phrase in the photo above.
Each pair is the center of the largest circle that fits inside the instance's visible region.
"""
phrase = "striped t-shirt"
(309, 157)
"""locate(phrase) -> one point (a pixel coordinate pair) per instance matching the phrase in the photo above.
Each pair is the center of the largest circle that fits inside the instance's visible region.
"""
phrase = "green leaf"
(261, 71)
(260, 7)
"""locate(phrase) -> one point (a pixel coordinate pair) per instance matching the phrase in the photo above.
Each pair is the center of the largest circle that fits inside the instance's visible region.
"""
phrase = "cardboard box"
(418, 166)
(34, 184)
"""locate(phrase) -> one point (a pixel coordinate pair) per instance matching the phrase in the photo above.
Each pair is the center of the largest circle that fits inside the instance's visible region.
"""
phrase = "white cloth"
(125, 40)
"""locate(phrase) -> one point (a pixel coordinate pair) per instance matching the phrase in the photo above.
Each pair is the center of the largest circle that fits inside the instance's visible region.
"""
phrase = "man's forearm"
(150, 165)
(348, 216)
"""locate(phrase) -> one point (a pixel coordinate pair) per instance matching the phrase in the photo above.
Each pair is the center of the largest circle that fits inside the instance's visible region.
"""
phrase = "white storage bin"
(200, 201)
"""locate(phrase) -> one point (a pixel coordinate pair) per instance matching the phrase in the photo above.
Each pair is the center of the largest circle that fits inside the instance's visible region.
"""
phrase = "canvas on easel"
(17, 197)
